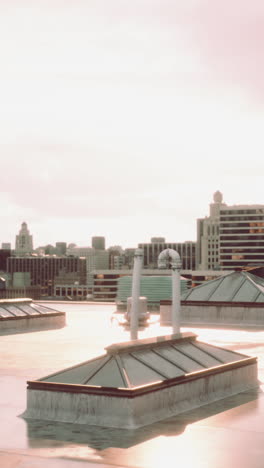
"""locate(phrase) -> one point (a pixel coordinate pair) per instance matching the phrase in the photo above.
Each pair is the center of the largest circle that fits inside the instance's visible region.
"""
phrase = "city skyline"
(122, 119)
(217, 199)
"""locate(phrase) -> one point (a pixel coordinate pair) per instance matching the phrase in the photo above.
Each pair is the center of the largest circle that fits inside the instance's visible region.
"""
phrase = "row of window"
(250, 211)
(242, 257)
(241, 237)
(212, 230)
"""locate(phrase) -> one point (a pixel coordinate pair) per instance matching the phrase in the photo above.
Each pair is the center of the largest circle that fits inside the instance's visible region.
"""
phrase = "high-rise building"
(4, 255)
(95, 259)
(231, 237)
(129, 255)
(24, 241)
(151, 251)
(61, 248)
(116, 257)
(241, 236)
(98, 243)
(207, 249)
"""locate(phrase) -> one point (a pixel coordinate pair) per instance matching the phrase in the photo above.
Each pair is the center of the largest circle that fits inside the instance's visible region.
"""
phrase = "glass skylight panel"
(5, 313)
(223, 355)
(28, 309)
(138, 373)
(76, 375)
(260, 298)
(108, 376)
(14, 310)
(198, 355)
(247, 293)
(184, 362)
(41, 309)
(203, 292)
(227, 288)
(158, 362)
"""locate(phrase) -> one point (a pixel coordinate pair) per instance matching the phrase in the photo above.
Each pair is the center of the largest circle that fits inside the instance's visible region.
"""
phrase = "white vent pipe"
(138, 260)
(171, 256)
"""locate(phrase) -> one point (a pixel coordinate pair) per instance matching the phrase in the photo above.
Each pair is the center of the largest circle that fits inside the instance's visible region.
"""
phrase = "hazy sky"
(122, 118)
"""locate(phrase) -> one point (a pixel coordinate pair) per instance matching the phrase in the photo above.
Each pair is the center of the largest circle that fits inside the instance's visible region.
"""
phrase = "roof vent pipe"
(172, 258)
(138, 260)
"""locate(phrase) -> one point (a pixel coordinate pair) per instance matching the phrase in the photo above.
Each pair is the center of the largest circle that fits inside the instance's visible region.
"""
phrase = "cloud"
(230, 36)
(109, 108)
(80, 182)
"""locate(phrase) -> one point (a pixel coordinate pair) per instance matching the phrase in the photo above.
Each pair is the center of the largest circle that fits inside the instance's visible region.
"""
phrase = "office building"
(151, 251)
(129, 255)
(231, 237)
(4, 255)
(61, 248)
(241, 236)
(98, 243)
(105, 282)
(95, 260)
(116, 257)
(44, 270)
(75, 251)
(207, 248)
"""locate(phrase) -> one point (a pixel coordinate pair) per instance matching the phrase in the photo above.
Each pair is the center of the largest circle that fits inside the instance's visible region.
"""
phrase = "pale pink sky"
(122, 118)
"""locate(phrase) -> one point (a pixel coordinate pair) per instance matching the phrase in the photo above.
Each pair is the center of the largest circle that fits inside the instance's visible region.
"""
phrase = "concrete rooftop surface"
(228, 433)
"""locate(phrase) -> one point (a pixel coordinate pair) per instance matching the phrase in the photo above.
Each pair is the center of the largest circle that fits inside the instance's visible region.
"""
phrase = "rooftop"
(227, 433)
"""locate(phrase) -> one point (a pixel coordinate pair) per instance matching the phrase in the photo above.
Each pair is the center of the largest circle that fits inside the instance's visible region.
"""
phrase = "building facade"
(98, 242)
(207, 249)
(61, 248)
(106, 282)
(4, 255)
(241, 236)
(151, 251)
(44, 270)
(231, 237)
(24, 241)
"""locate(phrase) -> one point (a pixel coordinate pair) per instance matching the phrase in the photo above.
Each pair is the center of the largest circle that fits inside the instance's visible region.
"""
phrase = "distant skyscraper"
(24, 241)
(61, 248)
(4, 255)
(207, 250)
(232, 237)
(98, 243)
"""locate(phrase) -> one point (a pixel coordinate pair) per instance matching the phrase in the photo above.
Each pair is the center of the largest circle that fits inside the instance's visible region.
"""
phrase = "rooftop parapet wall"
(228, 314)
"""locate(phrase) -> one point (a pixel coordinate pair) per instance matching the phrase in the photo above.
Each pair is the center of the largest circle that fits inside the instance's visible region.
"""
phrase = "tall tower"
(98, 243)
(217, 204)
(207, 251)
(24, 241)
